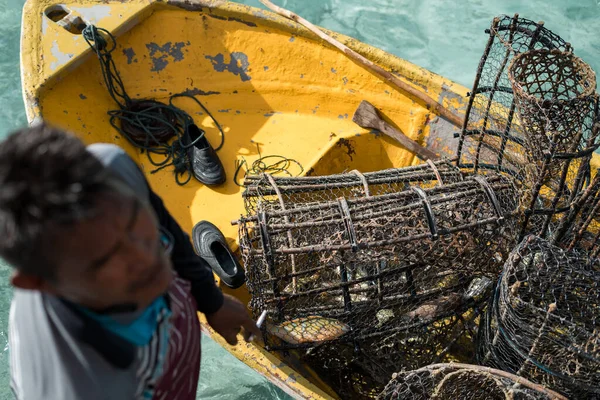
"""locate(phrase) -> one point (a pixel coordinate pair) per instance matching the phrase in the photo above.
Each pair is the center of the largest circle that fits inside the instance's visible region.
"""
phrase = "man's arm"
(188, 265)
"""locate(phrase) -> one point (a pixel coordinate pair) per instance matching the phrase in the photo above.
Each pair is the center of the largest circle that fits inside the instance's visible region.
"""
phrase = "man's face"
(114, 258)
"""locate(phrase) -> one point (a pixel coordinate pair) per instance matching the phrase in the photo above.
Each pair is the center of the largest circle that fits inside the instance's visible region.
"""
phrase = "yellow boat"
(267, 80)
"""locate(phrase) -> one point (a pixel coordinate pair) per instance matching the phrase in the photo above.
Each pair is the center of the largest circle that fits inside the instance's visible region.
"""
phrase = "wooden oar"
(403, 86)
(366, 116)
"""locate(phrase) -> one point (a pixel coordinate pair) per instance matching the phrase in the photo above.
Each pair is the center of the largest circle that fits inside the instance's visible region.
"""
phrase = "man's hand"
(229, 320)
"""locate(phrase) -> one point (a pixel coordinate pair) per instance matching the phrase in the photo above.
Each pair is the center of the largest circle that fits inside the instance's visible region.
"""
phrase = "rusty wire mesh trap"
(347, 259)
(465, 382)
(280, 193)
(533, 114)
(367, 280)
(492, 137)
(363, 368)
(543, 323)
(578, 230)
(367, 274)
(557, 103)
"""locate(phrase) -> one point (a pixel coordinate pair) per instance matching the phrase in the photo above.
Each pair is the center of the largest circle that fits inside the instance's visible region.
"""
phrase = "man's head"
(72, 228)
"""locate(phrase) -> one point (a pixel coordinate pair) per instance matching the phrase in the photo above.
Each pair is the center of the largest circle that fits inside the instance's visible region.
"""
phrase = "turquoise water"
(444, 36)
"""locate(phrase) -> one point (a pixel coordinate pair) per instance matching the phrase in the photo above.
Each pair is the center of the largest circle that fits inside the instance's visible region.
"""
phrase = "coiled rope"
(272, 165)
(147, 124)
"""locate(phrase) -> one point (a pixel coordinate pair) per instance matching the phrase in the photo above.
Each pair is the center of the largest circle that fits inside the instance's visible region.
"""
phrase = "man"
(107, 285)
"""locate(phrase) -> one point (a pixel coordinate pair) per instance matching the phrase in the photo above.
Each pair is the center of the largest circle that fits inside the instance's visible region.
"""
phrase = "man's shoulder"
(27, 306)
(31, 318)
(48, 361)
(31, 344)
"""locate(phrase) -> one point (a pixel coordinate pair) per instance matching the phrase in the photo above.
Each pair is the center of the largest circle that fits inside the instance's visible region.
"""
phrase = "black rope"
(147, 124)
(277, 164)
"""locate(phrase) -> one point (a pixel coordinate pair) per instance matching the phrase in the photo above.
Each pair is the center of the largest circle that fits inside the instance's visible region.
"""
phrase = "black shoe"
(210, 244)
(204, 162)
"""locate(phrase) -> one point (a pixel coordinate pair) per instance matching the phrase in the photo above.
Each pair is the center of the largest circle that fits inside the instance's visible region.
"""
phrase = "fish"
(311, 329)
(434, 308)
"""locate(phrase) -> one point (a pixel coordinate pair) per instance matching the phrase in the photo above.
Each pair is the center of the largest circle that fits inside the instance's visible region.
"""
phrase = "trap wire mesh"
(359, 371)
(465, 382)
(543, 323)
(347, 259)
(363, 282)
(557, 103)
(579, 230)
(280, 193)
(491, 137)
(533, 114)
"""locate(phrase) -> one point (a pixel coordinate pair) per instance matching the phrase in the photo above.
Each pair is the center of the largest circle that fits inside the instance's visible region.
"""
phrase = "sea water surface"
(444, 36)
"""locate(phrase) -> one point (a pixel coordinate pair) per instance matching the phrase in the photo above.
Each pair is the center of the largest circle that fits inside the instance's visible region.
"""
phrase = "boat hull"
(274, 87)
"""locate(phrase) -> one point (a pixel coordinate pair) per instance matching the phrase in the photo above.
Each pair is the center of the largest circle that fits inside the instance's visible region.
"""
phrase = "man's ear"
(30, 282)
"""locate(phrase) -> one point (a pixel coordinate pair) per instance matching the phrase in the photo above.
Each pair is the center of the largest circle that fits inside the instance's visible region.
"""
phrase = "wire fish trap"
(281, 193)
(558, 106)
(463, 381)
(556, 101)
(532, 114)
(440, 331)
(349, 259)
(446, 334)
(579, 230)
(361, 371)
(492, 137)
(543, 323)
